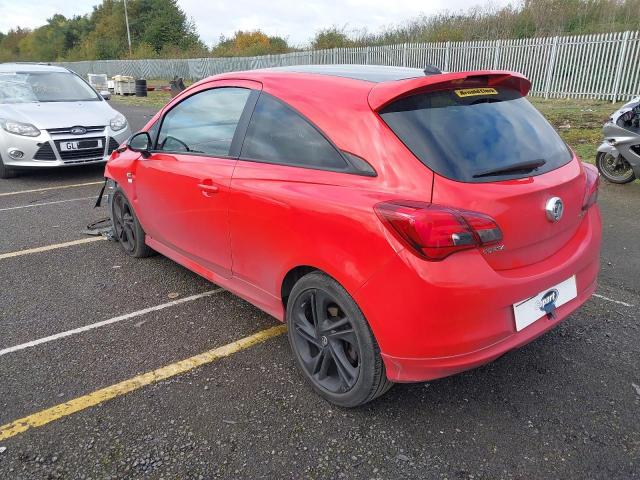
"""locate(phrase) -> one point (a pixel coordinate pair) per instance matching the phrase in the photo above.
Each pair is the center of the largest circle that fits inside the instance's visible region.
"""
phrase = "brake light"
(433, 231)
(592, 186)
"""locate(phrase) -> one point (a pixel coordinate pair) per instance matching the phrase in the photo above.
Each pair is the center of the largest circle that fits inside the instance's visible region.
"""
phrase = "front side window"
(277, 134)
(204, 123)
(42, 87)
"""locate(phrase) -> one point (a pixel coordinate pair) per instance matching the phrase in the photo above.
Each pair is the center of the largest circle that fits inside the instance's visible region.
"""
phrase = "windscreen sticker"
(474, 92)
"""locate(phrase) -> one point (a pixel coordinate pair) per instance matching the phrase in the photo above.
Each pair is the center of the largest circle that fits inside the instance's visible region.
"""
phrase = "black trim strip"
(243, 124)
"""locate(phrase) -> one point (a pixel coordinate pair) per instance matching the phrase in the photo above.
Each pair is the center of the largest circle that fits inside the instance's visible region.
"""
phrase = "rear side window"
(277, 134)
(204, 123)
(477, 135)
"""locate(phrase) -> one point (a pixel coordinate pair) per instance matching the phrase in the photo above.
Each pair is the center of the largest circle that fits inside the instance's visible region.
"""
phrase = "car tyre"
(625, 176)
(6, 172)
(333, 344)
(127, 228)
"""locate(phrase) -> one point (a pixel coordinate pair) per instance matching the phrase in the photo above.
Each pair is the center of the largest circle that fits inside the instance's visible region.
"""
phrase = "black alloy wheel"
(127, 228)
(332, 342)
(124, 223)
(326, 341)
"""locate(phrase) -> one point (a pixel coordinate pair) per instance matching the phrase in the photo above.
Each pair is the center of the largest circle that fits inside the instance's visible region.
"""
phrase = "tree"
(249, 44)
(332, 37)
(161, 23)
(159, 28)
(10, 44)
(156, 26)
(46, 43)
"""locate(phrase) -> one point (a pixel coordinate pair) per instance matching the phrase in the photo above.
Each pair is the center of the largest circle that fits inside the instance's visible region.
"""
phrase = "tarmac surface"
(564, 406)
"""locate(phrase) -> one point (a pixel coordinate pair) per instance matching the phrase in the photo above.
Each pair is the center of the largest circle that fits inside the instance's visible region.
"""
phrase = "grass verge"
(579, 122)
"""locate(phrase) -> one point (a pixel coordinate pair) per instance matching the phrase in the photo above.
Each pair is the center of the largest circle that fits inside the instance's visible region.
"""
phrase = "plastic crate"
(124, 85)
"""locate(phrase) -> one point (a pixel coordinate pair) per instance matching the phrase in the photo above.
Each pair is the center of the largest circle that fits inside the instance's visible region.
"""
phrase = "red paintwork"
(430, 319)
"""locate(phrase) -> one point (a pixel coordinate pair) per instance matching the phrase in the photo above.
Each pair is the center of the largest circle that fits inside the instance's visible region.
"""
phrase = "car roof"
(30, 67)
(367, 73)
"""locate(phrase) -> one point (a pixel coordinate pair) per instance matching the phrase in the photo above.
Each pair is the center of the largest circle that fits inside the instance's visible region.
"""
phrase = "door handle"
(208, 188)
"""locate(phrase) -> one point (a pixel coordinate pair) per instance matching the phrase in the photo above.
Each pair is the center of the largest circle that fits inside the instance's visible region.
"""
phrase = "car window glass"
(203, 123)
(462, 133)
(43, 87)
(277, 134)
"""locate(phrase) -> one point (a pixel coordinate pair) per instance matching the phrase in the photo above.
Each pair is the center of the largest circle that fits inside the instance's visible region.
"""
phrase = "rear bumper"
(434, 319)
(421, 369)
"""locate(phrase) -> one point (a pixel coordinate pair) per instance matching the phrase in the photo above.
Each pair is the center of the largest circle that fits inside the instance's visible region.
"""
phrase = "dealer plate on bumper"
(534, 308)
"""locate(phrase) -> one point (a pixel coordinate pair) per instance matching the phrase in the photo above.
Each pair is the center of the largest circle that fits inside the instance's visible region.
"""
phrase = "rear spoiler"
(386, 92)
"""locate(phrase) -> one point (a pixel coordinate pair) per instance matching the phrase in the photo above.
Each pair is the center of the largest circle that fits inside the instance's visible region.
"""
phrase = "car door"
(183, 186)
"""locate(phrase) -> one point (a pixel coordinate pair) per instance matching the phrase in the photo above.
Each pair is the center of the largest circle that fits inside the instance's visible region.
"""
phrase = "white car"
(51, 117)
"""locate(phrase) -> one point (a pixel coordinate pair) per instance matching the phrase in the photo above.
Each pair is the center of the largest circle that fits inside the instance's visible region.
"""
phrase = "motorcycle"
(618, 157)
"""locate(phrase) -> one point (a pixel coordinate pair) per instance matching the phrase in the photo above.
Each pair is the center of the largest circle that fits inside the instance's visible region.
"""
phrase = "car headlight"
(118, 122)
(19, 128)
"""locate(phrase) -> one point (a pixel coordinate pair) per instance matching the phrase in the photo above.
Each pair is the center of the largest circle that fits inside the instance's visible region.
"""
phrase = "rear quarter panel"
(282, 217)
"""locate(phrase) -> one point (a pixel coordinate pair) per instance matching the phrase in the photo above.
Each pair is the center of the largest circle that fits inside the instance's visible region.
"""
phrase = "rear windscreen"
(477, 134)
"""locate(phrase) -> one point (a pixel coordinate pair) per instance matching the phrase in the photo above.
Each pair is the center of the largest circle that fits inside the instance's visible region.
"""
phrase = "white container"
(124, 85)
(98, 81)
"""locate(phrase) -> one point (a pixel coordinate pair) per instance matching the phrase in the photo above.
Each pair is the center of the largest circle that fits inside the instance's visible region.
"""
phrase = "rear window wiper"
(516, 167)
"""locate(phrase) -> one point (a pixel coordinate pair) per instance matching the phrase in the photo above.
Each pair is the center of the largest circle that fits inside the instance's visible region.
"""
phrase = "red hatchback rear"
(406, 225)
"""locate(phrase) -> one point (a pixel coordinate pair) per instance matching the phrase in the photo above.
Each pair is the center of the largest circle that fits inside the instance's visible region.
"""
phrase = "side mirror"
(106, 94)
(141, 143)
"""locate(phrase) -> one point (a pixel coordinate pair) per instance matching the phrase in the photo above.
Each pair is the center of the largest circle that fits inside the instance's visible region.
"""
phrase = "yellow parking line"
(92, 399)
(44, 189)
(46, 248)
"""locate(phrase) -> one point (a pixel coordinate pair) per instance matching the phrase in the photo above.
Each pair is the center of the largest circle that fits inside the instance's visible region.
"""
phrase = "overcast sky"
(297, 20)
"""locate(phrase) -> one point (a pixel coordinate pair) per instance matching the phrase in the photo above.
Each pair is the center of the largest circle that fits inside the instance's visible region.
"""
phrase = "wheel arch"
(291, 278)
(296, 273)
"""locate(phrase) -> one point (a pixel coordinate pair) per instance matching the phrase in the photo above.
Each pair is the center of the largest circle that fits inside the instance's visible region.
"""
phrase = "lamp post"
(126, 19)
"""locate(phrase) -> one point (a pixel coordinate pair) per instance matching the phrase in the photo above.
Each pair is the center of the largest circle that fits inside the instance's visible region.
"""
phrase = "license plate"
(80, 145)
(536, 307)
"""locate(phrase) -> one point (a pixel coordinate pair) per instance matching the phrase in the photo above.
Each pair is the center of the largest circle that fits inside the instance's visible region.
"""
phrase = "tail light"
(433, 231)
(593, 184)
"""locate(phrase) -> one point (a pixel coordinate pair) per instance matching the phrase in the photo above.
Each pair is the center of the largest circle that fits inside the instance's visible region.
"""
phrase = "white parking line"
(110, 321)
(612, 300)
(46, 248)
(47, 203)
(45, 189)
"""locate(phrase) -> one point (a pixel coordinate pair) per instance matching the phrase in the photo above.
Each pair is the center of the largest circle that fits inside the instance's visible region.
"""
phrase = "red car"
(406, 224)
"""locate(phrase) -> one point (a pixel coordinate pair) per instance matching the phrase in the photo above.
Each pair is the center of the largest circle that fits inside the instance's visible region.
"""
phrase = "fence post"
(496, 54)
(333, 56)
(447, 55)
(550, 66)
(404, 54)
(366, 60)
(619, 68)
